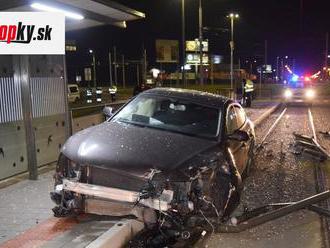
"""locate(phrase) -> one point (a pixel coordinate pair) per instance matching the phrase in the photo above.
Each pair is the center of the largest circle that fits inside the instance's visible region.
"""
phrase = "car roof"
(196, 96)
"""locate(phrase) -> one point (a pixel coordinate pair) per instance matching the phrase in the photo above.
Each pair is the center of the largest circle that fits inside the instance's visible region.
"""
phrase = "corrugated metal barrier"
(10, 100)
(47, 92)
(47, 96)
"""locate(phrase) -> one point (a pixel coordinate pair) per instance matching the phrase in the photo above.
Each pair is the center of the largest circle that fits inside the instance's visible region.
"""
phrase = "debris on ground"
(269, 153)
(282, 152)
(325, 133)
(307, 147)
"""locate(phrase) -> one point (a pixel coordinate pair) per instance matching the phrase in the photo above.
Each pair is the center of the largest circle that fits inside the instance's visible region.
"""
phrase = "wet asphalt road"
(280, 176)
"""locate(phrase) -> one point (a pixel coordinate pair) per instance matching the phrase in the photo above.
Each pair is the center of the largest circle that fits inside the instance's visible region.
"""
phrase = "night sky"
(292, 27)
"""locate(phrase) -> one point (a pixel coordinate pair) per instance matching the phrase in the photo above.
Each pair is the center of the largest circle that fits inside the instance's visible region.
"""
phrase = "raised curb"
(118, 235)
(266, 114)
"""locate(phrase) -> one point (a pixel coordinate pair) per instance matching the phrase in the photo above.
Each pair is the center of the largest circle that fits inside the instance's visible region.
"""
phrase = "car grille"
(111, 178)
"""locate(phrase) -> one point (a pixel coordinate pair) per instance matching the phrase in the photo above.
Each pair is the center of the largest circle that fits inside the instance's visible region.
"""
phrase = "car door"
(236, 120)
(246, 126)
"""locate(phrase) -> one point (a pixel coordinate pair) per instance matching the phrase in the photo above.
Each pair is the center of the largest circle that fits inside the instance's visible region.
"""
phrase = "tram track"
(321, 184)
(319, 174)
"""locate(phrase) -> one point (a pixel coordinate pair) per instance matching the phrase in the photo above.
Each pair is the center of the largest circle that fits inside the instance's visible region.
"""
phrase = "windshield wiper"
(131, 123)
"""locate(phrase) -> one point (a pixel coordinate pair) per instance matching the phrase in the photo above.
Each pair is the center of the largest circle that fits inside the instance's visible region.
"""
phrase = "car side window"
(240, 116)
(231, 120)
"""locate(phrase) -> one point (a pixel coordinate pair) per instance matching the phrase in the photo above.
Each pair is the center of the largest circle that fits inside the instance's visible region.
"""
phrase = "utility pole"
(232, 16)
(123, 69)
(282, 70)
(277, 68)
(183, 43)
(251, 67)
(293, 64)
(301, 16)
(144, 66)
(260, 81)
(115, 63)
(266, 52)
(200, 11)
(326, 55)
(137, 74)
(110, 69)
(212, 72)
(232, 54)
(94, 66)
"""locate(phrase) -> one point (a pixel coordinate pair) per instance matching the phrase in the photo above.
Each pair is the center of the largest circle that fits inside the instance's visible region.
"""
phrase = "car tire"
(225, 199)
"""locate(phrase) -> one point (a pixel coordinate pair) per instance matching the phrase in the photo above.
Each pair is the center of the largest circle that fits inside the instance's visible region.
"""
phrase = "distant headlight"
(310, 93)
(287, 93)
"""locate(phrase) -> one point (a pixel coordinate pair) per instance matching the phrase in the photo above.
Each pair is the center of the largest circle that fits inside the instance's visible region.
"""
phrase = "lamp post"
(232, 17)
(94, 66)
(277, 68)
(183, 42)
(200, 15)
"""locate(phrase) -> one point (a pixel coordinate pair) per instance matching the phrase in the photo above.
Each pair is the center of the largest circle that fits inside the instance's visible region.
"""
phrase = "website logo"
(32, 33)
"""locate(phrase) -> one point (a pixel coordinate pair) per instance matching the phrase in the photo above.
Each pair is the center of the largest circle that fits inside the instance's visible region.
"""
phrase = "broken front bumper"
(116, 196)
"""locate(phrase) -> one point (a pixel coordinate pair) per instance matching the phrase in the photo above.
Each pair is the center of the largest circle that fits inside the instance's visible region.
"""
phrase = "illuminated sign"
(167, 51)
(194, 58)
(217, 59)
(193, 45)
(265, 69)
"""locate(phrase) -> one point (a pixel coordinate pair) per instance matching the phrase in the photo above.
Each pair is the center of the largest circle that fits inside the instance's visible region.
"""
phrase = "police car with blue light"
(299, 90)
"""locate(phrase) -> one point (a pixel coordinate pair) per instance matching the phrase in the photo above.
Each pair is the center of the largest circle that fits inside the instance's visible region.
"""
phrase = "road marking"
(264, 115)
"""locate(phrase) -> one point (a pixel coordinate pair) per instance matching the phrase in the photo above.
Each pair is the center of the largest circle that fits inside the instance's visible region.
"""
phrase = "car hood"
(132, 148)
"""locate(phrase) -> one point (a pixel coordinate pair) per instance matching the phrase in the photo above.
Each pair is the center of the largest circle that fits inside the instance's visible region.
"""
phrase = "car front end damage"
(204, 190)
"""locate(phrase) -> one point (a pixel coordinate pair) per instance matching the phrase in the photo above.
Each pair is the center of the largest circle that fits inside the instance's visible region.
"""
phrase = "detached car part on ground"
(173, 158)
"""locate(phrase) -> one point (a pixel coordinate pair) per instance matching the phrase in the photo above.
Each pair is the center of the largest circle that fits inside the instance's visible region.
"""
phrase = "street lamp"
(94, 66)
(200, 15)
(277, 68)
(183, 43)
(232, 17)
(48, 8)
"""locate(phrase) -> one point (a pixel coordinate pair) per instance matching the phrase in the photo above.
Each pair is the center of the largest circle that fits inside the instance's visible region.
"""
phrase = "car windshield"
(73, 89)
(298, 84)
(171, 114)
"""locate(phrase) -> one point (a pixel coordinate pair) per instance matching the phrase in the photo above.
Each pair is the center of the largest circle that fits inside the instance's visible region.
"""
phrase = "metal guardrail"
(263, 215)
(93, 115)
(100, 105)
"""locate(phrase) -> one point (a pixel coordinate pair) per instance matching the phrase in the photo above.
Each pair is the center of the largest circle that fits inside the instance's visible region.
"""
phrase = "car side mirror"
(108, 111)
(239, 135)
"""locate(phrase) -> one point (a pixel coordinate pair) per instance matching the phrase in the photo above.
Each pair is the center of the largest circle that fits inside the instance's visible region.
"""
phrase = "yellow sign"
(193, 45)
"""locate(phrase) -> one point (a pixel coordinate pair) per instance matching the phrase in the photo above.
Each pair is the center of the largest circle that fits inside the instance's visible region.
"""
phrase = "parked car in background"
(73, 93)
(173, 153)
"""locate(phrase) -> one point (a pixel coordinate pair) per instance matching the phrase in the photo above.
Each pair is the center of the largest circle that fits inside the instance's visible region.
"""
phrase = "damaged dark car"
(169, 157)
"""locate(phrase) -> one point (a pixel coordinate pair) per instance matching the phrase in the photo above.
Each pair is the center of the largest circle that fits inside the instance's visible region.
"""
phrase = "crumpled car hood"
(133, 148)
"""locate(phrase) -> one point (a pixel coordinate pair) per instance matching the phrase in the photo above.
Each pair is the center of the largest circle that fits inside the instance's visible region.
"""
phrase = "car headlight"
(310, 93)
(67, 168)
(287, 93)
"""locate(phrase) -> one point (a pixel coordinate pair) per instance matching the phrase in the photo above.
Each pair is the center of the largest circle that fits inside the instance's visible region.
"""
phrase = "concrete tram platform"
(26, 219)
